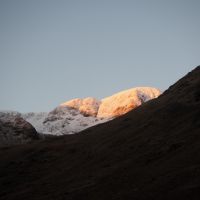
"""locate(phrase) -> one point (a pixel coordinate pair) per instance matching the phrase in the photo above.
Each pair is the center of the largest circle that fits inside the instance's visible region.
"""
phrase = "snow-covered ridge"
(122, 102)
(60, 121)
(115, 105)
(78, 114)
(88, 106)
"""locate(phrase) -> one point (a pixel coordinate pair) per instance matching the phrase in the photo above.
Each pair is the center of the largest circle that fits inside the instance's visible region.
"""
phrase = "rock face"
(115, 105)
(124, 101)
(87, 106)
(15, 130)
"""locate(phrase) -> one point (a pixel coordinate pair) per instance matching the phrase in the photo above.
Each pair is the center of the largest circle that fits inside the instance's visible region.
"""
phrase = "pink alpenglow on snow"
(123, 102)
(78, 114)
(88, 106)
(115, 105)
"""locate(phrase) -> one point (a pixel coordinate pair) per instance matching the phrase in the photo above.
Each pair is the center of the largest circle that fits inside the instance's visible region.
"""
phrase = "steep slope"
(150, 153)
(15, 130)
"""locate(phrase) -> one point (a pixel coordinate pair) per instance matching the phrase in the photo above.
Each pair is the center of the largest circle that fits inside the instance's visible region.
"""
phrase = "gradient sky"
(54, 50)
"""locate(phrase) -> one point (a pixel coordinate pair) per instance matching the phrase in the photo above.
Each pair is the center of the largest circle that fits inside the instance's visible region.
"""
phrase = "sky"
(52, 51)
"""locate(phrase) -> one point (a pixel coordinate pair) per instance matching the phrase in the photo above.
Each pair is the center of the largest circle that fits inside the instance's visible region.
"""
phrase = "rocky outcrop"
(115, 105)
(123, 102)
(87, 106)
(15, 130)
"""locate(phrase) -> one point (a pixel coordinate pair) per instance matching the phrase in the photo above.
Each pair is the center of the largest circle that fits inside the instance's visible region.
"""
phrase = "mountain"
(15, 130)
(61, 121)
(125, 101)
(78, 114)
(150, 153)
(87, 106)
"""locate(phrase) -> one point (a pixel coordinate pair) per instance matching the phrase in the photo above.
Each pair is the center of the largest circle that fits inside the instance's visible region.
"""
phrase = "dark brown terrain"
(152, 152)
(15, 130)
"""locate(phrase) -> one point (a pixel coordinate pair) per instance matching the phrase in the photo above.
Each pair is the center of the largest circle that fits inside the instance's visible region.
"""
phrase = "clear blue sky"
(54, 50)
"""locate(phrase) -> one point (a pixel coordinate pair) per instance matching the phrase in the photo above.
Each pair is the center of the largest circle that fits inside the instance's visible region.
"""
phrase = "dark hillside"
(152, 152)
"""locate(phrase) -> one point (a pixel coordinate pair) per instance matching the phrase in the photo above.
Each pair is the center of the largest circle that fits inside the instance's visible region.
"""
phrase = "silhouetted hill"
(152, 152)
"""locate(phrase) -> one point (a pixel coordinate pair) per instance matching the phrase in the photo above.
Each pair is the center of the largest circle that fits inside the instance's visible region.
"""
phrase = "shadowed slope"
(152, 152)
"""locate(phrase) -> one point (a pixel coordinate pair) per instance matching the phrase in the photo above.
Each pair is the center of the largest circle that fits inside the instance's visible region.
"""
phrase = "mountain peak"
(115, 105)
(78, 114)
(88, 106)
(122, 102)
